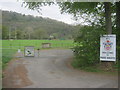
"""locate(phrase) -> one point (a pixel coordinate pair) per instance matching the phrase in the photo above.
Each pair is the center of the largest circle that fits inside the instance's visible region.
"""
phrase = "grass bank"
(98, 68)
(7, 55)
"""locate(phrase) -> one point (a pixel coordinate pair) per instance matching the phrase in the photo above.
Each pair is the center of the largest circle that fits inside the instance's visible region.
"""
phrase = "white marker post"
(108, 48)
(19, 51)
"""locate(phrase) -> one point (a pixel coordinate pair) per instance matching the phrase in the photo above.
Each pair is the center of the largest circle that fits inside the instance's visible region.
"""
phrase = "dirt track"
(52, 70)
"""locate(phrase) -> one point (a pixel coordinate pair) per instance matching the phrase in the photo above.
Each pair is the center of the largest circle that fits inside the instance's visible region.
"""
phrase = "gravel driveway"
(52, 70)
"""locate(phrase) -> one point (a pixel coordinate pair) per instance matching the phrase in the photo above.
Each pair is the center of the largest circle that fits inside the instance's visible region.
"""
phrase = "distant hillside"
(18, 26)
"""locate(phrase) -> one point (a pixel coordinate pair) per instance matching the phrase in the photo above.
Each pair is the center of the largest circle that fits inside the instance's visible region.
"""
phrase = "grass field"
(10, 47)
(36, 43)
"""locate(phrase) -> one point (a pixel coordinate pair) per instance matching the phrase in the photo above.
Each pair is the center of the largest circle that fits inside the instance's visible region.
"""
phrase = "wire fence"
(10, 49)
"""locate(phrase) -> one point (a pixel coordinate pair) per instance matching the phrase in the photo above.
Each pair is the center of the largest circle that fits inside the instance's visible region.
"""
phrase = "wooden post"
(38, 51)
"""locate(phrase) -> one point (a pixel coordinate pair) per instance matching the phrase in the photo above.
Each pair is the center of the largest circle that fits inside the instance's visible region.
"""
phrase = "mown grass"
(36, 43)
(9, 47)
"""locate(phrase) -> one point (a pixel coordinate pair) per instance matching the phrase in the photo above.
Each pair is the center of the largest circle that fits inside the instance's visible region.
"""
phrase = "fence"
(10, 47)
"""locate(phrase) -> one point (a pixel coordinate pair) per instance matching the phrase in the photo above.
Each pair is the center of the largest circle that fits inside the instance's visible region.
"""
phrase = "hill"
(19, 26)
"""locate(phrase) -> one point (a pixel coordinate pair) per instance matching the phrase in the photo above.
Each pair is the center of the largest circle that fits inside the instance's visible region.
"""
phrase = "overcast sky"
(52, 12)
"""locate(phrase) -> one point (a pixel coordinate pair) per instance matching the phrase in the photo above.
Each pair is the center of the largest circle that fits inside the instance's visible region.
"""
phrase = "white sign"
(29, 51)
(108, 48)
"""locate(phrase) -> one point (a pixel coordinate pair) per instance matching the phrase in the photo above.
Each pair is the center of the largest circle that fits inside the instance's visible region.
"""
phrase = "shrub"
(87, 45)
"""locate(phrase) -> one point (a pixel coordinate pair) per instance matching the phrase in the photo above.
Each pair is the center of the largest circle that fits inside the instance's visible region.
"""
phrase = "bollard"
(38, 51)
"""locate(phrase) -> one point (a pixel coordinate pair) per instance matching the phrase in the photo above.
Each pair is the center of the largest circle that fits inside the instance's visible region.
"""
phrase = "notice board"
(29, 51)
(108, 48)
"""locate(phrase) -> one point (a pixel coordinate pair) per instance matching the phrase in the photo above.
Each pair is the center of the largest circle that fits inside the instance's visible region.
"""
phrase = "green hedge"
(87, 45)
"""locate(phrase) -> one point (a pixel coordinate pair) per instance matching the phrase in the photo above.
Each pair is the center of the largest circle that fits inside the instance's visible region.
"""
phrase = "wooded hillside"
(19, 26)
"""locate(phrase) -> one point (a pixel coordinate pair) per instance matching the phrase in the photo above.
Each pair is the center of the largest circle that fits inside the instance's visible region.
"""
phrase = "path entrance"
(52, 70)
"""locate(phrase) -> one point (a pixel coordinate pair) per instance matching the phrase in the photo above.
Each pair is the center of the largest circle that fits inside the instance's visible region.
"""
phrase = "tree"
(39, 34)
(108, 17)
(118, 15)
(19, 34)
(118, 26)
(5, 32)
(29, 31)
(84, 9)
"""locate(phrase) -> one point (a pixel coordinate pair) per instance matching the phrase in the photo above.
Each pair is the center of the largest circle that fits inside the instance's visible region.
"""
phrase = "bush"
(87, 45)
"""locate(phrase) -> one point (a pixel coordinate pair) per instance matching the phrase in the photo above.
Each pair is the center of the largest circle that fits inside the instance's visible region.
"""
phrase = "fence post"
(10, 45)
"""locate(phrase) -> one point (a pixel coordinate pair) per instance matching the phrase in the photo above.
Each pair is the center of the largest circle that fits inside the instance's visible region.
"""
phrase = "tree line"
(20, 26)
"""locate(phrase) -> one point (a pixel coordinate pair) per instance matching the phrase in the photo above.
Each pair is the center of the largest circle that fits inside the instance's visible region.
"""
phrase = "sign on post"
(108, 48)
(29, 51)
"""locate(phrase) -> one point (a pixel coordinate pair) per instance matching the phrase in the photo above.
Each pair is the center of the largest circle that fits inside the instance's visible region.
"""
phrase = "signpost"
(108, 48)
(29, 51)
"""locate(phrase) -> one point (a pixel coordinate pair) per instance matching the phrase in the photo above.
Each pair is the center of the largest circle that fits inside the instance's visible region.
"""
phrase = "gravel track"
(52, 70)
